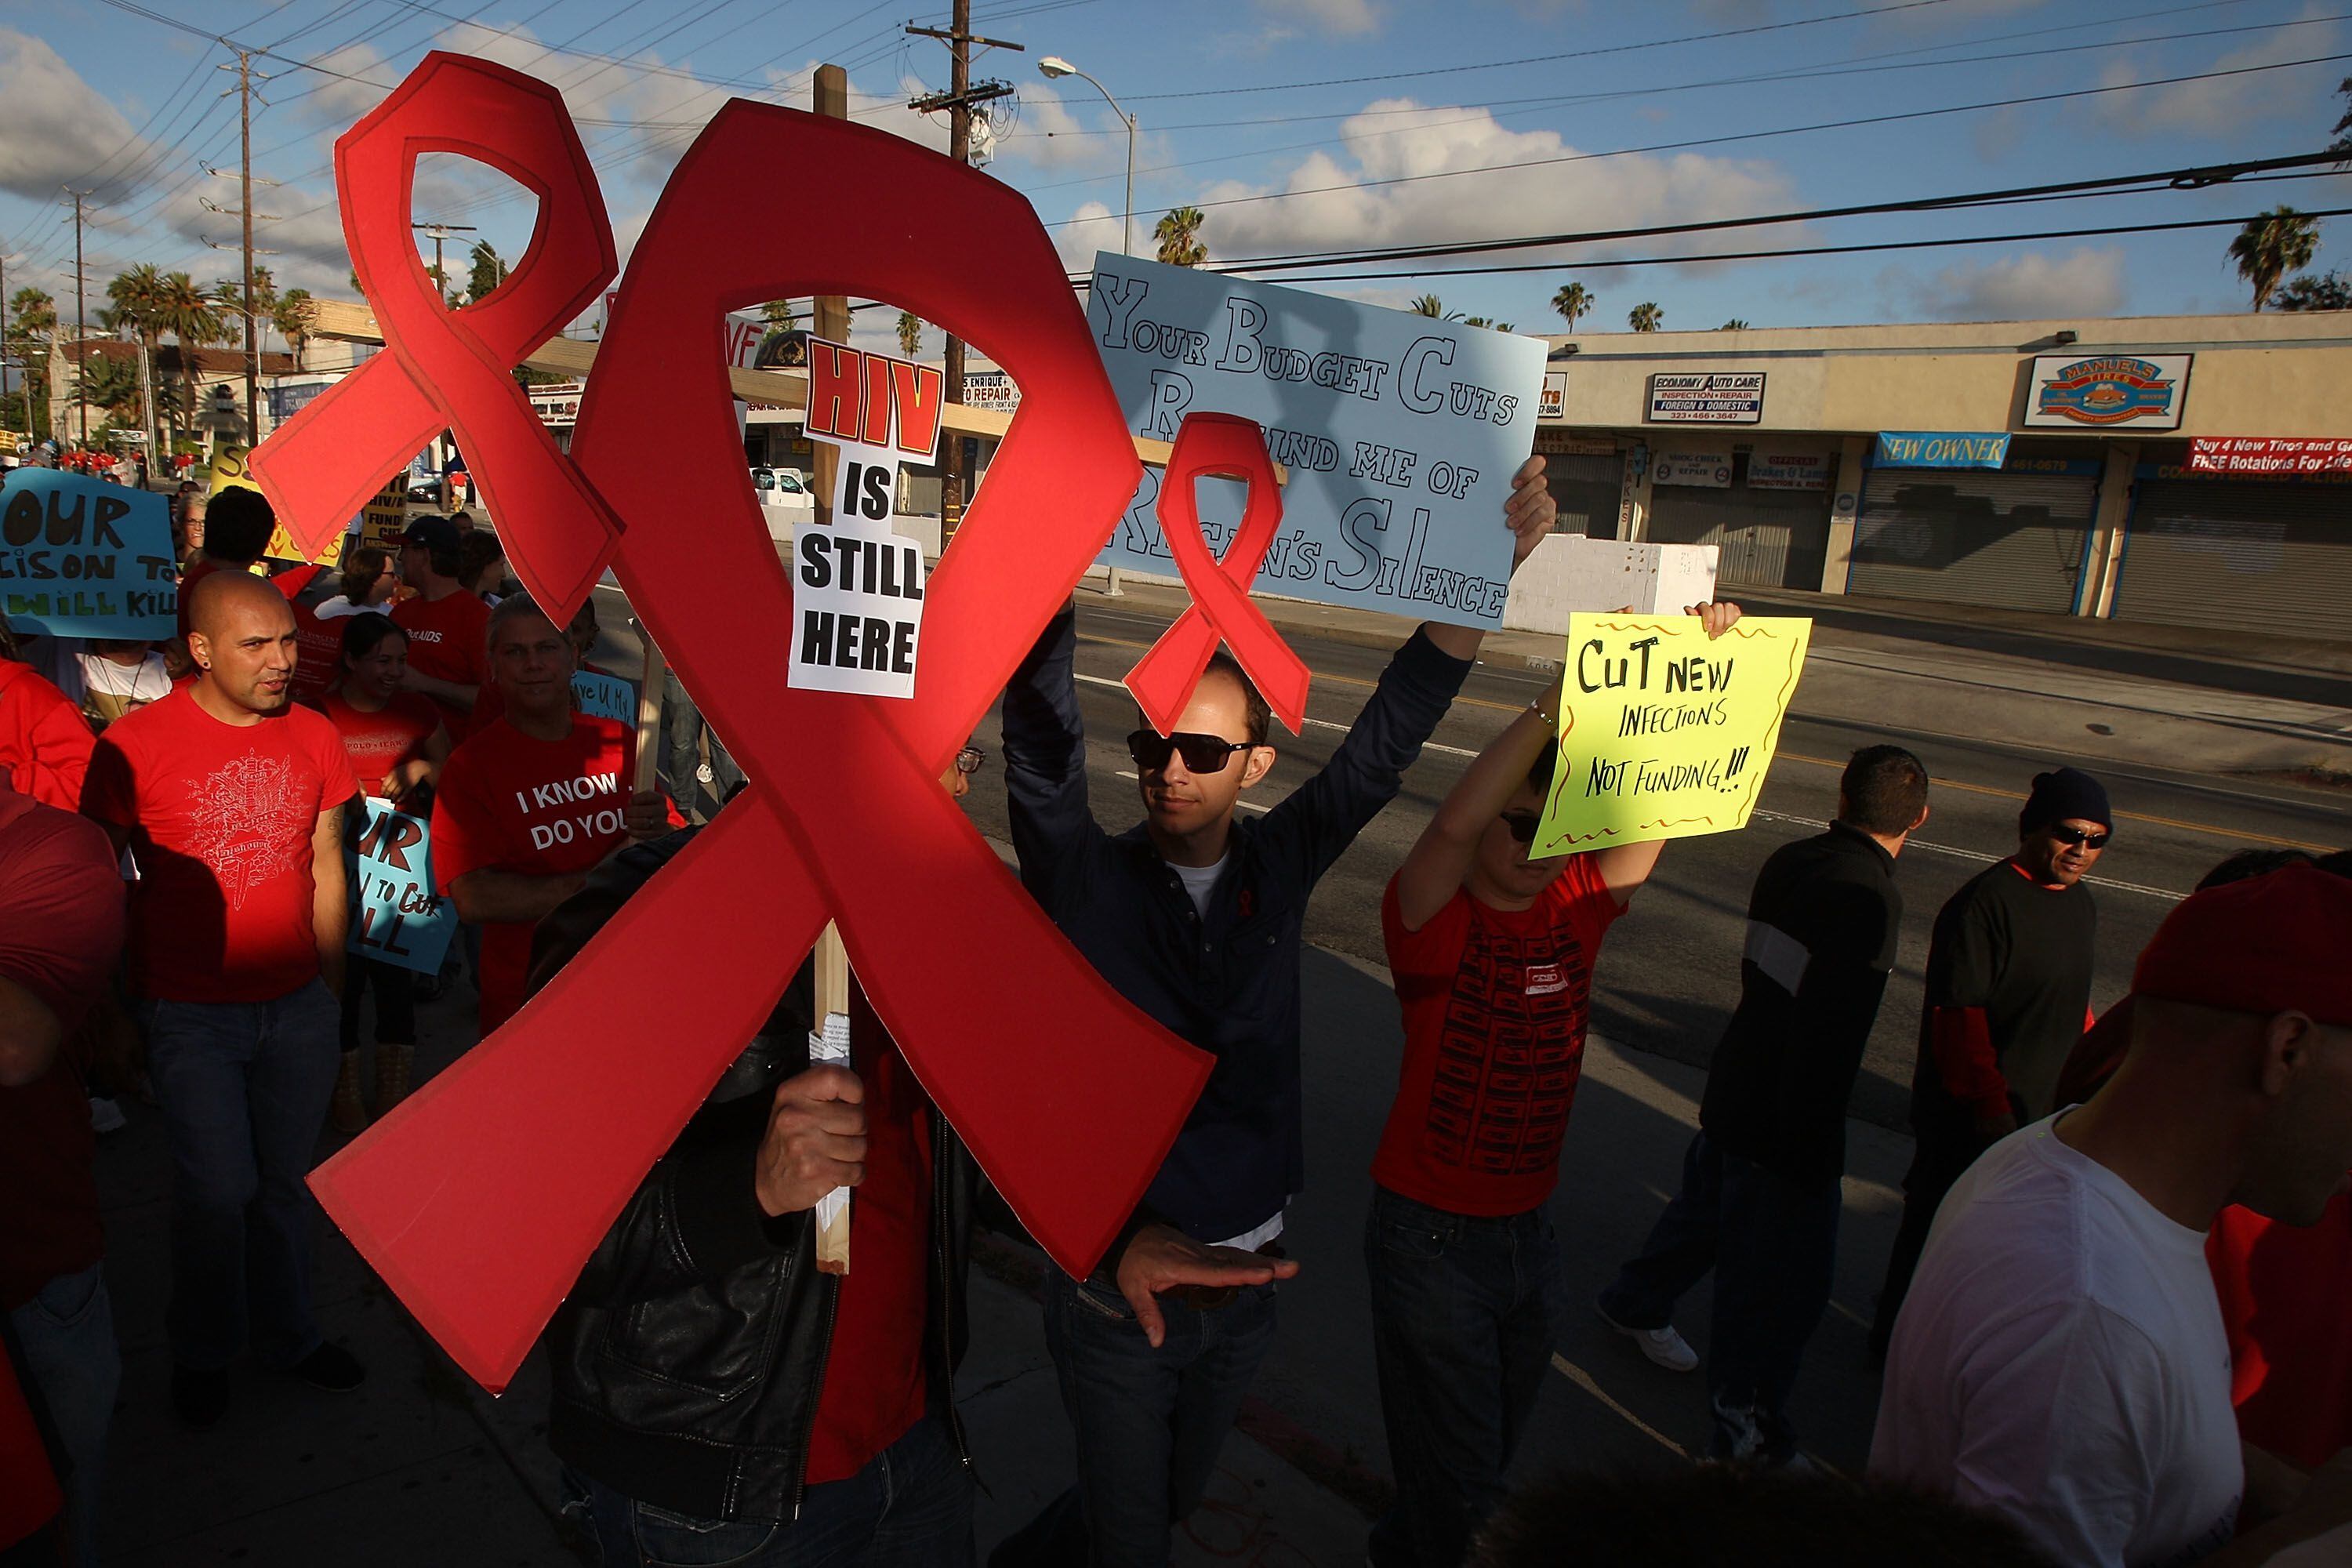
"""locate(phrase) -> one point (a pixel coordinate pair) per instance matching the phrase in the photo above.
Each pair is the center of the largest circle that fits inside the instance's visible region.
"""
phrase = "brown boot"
(347, 1111)
(392, 1065)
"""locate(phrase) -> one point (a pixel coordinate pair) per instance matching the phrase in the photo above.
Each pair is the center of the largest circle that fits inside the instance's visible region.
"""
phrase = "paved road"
(1670, 972)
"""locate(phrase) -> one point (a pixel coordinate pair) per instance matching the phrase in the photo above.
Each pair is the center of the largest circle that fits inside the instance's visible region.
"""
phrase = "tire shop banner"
(1400, 434)
(82, 558)
(2271, 454)
(1664, 732)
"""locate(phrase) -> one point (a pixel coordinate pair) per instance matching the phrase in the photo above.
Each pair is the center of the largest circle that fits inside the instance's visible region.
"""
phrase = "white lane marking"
(2166, 894)
(1317, 723)
(1243, 804)
(1584, 1380)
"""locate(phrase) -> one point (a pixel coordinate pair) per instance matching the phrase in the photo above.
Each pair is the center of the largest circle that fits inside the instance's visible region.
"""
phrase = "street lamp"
(1054, 66)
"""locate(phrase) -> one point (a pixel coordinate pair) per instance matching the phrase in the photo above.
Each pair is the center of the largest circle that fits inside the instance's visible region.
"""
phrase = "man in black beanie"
(2009, 993)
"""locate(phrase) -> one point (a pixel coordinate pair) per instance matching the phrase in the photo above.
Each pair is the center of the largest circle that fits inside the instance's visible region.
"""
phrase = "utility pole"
(958, 101)
(831, 314)
(437, 232)
(244, 91)
(81, 403)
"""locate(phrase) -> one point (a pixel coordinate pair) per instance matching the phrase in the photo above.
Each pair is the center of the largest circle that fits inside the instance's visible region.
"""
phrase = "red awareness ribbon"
(1223, 446)
(454, 369)
(480, 1198)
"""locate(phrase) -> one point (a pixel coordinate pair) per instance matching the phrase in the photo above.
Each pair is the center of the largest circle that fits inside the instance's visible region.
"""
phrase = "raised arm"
(1044, 742)
(1441, 857)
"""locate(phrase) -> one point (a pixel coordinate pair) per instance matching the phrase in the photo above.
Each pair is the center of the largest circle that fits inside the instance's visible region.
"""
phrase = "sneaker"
(1661, 1345)
(199, 1397)
(105, 1116)
(331, 1368)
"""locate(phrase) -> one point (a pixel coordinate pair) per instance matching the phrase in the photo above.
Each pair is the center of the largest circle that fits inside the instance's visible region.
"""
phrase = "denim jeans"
(244, 1087)
(1149, 1422)
(1465, 1310)
(682, 728)
(1772, 1243)
(911, 1507)
(68, 1335)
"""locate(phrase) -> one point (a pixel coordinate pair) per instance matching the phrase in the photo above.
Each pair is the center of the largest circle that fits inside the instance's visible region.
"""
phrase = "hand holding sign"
(1667, 725)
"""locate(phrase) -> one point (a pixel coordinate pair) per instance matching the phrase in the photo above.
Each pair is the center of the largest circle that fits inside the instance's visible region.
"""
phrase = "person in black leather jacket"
(718, 1399)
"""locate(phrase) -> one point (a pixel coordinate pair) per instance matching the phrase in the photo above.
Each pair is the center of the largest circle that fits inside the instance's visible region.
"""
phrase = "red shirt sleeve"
(338, 786)
(1961, 1040)
(64, 895)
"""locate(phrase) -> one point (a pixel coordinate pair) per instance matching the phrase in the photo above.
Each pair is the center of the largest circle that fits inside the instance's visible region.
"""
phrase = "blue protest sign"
(395, 916)
(1401, 433)
(82, 558)
(605, 696)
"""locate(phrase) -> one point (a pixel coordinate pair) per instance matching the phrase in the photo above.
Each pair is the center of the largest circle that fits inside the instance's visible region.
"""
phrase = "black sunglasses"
(1201, 754)
(968, 760)
(2082, 836)
(1522, 824)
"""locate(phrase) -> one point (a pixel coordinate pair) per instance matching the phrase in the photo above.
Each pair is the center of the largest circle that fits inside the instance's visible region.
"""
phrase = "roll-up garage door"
(2230, 554)
(1767, 538)
(2015, 541)
(1586, 487)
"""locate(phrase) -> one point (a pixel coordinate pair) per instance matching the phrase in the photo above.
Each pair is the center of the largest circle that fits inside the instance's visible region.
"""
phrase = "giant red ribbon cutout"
(1224, 446)
(481, 1197)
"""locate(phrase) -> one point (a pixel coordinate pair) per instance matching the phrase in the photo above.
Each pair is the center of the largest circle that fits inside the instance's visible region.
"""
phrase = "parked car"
(426, 490)
(782, 487)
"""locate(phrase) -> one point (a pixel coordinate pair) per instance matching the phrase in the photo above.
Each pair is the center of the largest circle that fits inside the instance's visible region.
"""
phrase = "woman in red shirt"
(397, 743)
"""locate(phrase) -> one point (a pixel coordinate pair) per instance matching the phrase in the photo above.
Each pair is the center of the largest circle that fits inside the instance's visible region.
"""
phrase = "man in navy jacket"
(1196, 916)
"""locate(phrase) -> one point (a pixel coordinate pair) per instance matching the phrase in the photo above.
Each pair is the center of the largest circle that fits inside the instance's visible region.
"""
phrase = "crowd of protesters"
(2112, 1324)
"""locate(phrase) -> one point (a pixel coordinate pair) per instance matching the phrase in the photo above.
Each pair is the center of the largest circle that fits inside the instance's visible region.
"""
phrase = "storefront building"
(2192, 471)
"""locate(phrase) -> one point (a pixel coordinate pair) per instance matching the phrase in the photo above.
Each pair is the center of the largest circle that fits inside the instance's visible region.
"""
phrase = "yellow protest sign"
(228, 469)
(1665, 733)
(386, 516)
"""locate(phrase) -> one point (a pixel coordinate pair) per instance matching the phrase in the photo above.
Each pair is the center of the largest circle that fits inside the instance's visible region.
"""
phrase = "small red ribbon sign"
(481, 1196)
(1223, 446)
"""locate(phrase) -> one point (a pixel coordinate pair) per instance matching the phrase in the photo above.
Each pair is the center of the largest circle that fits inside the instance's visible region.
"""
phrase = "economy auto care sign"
(1706, 397)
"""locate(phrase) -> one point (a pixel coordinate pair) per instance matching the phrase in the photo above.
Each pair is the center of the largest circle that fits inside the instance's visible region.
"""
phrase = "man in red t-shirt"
(447, 626)
(59, 943)
(532, 800)
(230, 799)
(1492, 955)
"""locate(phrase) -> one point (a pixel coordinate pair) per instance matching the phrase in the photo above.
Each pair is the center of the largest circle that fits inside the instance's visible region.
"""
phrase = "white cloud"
(1094, 227)
(1339, 206)
(1336, 18)
(2025, 286)
(2221, 104)
(60, 129)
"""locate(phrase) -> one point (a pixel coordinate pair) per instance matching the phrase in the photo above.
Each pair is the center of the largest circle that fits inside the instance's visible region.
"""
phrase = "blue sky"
(1335, 110)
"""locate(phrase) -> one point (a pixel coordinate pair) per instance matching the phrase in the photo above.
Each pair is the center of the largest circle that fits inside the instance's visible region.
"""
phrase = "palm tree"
(782, 318)
(910, 332)
(1574, 301)
(1179, 234)
(2269, 248)
(32, 323)
(1737, 324)
(292, 319)
(1644, 317)
(1431, 305)
(485, 270)
(136, 292)
(1489, 323)
(194, 318)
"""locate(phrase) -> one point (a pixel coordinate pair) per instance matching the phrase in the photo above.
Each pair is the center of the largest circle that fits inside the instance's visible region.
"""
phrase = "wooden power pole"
(831, 321)
(958, 101)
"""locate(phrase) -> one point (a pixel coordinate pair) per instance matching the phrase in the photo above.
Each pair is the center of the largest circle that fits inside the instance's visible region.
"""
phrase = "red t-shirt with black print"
(1495, 1005)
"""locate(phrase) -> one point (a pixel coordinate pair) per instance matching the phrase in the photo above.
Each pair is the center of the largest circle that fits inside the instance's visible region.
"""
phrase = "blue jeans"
(1148, 1423)
(1772, 1243)
(1465, 1310)
(68, 1335)
(911, 1507)
(244, 1087)
(682, 728)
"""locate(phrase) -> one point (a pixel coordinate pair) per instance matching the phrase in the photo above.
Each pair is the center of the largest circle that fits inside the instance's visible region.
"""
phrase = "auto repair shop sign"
(2108, 391)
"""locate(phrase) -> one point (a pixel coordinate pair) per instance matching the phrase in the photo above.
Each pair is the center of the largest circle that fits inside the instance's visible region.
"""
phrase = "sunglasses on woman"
(1201, 754)
(2082, 836)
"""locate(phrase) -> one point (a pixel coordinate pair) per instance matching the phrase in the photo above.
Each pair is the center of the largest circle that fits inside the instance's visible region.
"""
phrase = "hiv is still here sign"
(858, 584)
(1664, 732)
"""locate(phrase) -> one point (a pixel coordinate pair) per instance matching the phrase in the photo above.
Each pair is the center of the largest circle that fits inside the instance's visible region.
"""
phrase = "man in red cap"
(2064, 1359)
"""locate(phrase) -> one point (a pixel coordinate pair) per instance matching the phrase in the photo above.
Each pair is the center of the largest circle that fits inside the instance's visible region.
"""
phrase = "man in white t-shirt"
(2060, 1358)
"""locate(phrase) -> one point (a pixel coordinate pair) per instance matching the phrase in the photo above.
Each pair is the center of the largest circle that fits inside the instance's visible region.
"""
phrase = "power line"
(1678, 261)
(1564, 54)
(1752, 135)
